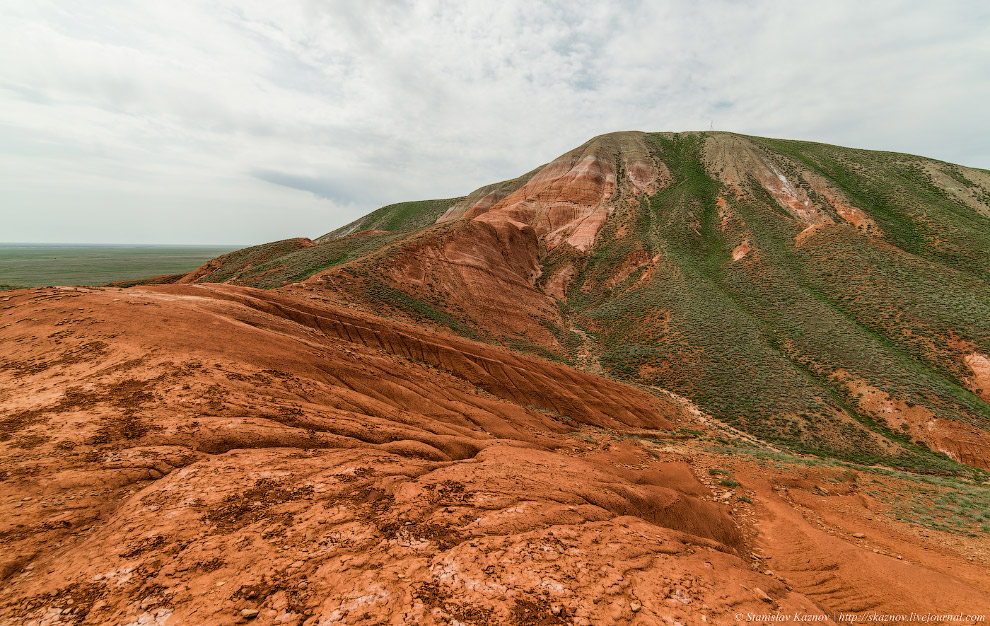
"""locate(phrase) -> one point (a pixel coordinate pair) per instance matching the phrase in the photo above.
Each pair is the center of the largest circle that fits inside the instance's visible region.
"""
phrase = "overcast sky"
(239, 122)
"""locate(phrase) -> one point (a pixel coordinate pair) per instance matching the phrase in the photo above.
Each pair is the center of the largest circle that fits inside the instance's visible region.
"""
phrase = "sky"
(241, 121)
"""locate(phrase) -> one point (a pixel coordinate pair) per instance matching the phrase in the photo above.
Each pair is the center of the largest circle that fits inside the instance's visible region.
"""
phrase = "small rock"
(98, 577)
(635, 606)
(249, 613)
(155, 474)
(859, 535)
(762, 595)
(680, 596)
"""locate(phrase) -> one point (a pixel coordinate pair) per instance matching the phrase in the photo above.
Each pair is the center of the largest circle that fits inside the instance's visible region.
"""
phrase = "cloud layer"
(241, 121)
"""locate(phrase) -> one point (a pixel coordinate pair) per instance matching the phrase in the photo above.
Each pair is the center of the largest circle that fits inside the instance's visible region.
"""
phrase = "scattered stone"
(249, 613)
(680, 596)
(859, 535)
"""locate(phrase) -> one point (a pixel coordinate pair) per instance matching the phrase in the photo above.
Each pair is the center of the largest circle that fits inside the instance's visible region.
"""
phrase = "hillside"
(828, 299)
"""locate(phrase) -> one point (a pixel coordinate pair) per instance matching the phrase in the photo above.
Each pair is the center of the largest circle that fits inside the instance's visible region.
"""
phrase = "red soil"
(485, 271)
(963, 442)
(215, 455)
(979, 381)
(566, 202)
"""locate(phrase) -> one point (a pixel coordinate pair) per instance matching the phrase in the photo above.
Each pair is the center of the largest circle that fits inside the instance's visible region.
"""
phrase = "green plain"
(40, 265)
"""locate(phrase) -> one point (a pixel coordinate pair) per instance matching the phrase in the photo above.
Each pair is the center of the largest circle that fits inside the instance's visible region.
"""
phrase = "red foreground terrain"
(218, 454)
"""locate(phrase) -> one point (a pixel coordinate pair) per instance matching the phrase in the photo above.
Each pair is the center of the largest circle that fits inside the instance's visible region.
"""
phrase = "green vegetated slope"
(396, 217)
(281, 263)
(771, 342)
(793, 342)
(288, 261)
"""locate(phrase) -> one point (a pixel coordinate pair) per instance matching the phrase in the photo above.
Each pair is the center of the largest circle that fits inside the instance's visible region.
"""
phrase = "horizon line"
(71, 243)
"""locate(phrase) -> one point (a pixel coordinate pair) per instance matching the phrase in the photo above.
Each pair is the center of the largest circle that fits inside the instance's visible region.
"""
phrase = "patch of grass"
(581, 435)
(957, 503)
(401, 216)
(946, 505)
(388, 295)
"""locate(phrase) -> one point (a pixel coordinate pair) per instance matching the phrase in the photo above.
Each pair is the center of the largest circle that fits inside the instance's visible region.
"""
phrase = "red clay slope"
(181, 453)
(207, 454)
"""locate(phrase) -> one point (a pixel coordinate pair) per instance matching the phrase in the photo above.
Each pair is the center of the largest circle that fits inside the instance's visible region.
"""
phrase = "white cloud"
(243, 121)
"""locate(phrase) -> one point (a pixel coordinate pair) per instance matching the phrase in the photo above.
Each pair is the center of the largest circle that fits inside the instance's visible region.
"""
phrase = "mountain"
(666, 378)
(831, 300)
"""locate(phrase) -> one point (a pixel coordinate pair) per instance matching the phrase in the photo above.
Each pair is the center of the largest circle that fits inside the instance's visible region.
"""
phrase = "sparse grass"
(761, 344)
(402, 216)
(583, 436)
(946, 505)
(385, 294)
(957, 504)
